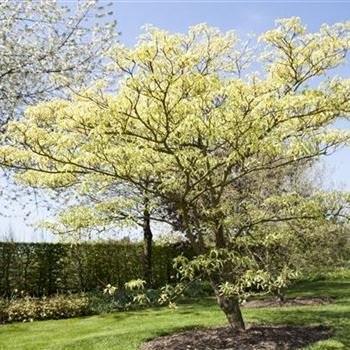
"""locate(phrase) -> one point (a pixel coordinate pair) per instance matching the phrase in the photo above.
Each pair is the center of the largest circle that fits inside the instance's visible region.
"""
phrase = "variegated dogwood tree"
(197, 130)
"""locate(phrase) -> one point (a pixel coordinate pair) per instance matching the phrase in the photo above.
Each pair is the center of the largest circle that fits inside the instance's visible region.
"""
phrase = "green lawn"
(127, 330)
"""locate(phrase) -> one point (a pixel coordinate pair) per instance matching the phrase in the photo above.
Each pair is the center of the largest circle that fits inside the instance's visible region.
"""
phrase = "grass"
(127, 330)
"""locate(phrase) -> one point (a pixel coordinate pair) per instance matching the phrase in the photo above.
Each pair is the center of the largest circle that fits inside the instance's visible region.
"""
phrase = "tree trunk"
(279, 295)
(230, 306)
(147, 246)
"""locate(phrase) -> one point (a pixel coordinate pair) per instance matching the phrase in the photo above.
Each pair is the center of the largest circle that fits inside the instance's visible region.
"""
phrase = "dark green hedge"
(48, 268)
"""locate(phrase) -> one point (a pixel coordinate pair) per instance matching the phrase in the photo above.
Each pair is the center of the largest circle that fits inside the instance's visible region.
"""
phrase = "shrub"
(199, 289)
(25, 308)
(133, 296)
(21, 307)
(325, 275)
(104, 303)
(28, 309)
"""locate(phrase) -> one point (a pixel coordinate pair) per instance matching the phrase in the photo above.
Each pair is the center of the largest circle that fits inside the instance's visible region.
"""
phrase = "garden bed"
(256, 337)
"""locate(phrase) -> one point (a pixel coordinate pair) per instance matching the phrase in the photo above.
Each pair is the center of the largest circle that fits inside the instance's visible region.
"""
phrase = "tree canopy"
(194, 127)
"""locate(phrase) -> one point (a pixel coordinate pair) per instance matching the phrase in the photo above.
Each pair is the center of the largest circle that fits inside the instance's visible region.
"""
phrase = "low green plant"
(199, 289)
(133, 296)
(24, 308)
(106, 303)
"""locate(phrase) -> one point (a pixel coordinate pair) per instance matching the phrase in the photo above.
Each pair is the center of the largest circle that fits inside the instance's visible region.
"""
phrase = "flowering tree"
(44, 48)
(202, 135)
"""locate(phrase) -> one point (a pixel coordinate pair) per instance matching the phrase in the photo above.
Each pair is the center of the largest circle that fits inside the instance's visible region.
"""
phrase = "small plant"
(137, 284)
(133, 296)
(109, 289)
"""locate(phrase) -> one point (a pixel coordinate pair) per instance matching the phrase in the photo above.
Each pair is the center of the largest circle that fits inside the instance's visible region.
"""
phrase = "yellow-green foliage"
(197, 131)
(191, 116)
(28, 309)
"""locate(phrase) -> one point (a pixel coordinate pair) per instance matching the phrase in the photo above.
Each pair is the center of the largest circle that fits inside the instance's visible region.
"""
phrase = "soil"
(255, 337)
(299, 301)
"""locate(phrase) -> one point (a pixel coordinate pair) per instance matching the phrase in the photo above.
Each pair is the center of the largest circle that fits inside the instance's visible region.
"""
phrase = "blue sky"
(243, 17)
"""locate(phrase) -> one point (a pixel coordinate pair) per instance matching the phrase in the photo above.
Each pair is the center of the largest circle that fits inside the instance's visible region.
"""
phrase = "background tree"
(289, 250)
(101, 209)
(192, 119)
(45, 48)
(48, 49)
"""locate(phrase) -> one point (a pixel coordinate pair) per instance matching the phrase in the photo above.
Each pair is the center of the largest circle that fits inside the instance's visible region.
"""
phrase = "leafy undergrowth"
(127, 330)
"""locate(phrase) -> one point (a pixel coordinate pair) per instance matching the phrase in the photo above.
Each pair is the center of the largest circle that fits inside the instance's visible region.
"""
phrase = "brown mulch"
(299, 301)
(256, 337)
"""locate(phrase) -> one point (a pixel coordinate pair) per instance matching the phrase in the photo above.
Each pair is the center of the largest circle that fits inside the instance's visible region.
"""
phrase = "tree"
(44, 49)
(297, 248)
(194, 122)
(289, 250)
(102, 208)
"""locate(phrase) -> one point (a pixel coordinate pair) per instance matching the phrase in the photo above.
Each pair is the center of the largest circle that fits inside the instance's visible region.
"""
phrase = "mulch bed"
(256, 337)
(299, 301)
